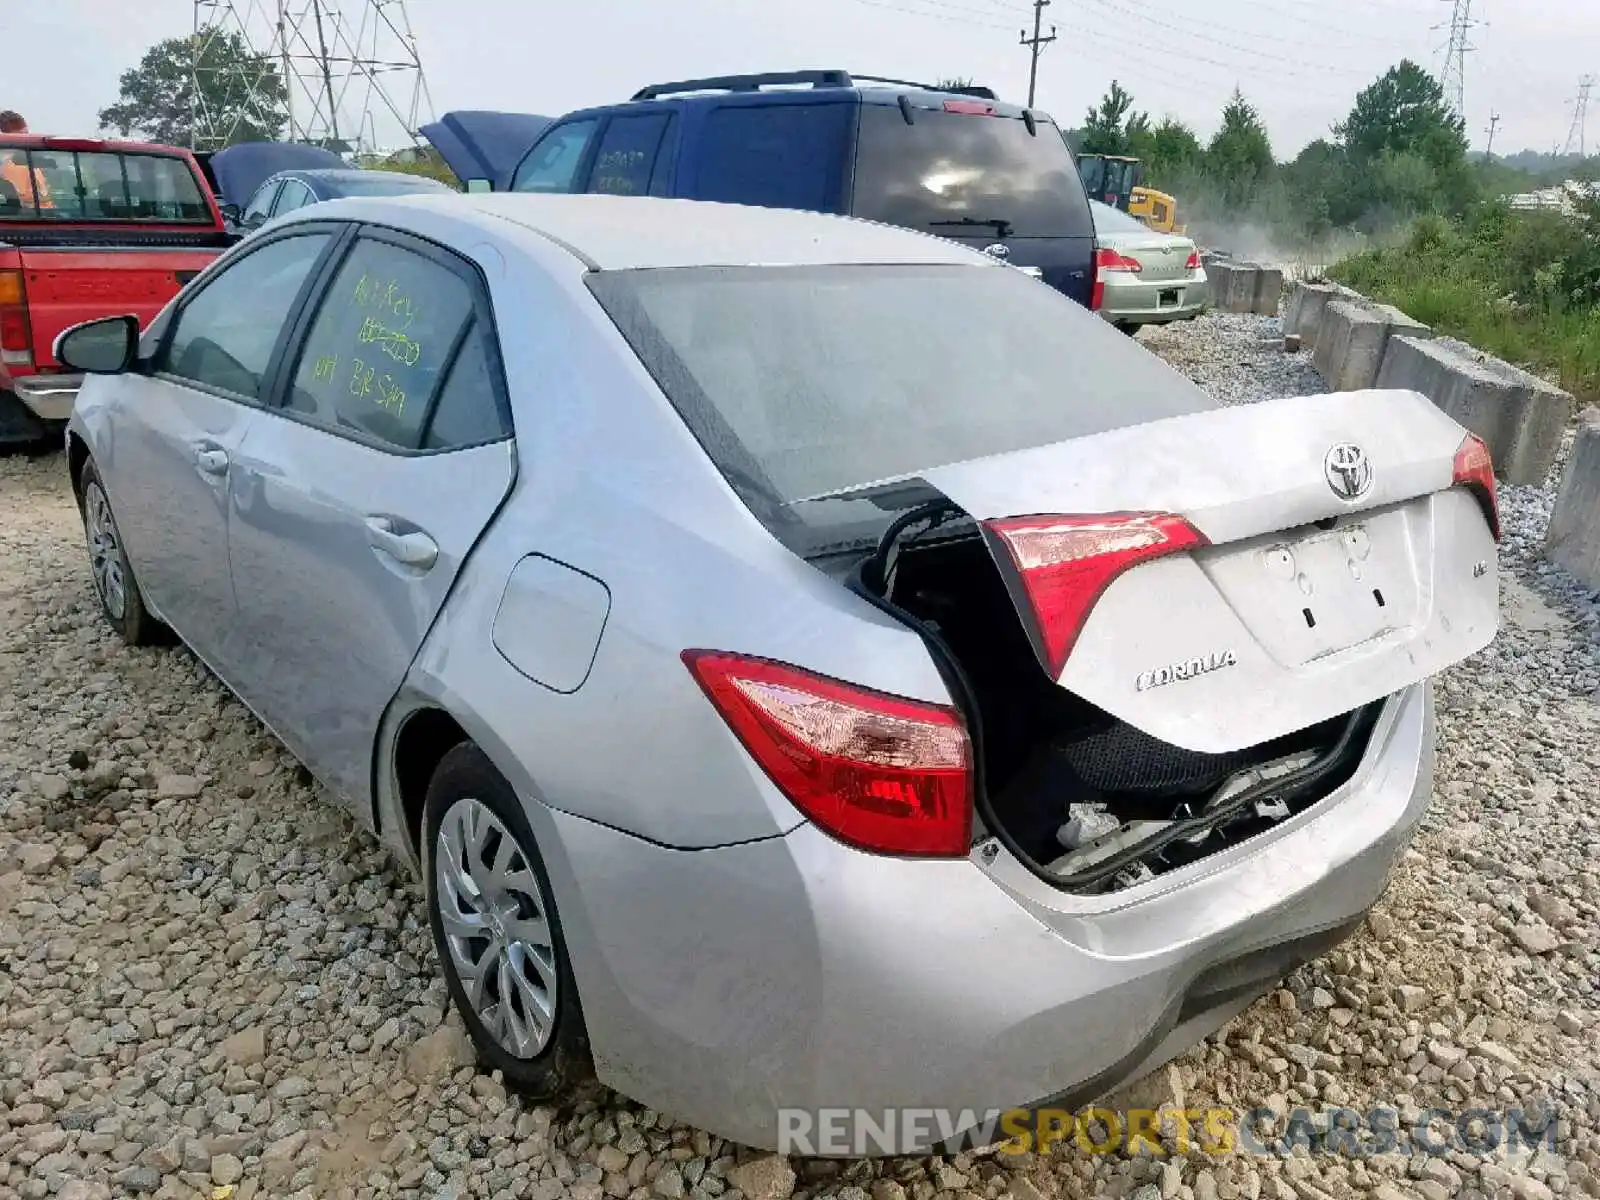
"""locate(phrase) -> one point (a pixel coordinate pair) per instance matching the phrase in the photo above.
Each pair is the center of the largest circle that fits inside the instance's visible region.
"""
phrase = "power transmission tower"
(1494, 123)
(351, 69)
(1454, 77)
(1035, 45)
(1578, 135)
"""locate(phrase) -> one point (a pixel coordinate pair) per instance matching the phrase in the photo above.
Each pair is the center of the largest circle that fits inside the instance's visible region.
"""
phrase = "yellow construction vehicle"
(1118, 180)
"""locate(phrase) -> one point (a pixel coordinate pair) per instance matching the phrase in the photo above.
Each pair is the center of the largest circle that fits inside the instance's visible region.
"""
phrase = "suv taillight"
(878, 772)
(1067, 562)
(1194, 263)
(1474, 470)
(16, 341)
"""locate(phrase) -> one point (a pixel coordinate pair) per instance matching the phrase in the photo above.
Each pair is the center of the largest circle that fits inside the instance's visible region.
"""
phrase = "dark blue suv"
(956, 163)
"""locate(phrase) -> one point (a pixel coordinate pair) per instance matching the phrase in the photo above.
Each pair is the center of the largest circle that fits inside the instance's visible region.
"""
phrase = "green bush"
(1524, 287)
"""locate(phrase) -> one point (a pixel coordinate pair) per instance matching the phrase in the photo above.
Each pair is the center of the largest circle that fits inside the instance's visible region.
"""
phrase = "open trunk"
(1173, 636)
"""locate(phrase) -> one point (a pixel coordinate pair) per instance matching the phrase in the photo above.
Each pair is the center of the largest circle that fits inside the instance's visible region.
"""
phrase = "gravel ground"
(210, 984)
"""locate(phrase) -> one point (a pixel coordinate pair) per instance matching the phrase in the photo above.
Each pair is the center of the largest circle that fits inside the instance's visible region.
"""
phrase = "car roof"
(628, 232)
(45, 141)
(864, 94)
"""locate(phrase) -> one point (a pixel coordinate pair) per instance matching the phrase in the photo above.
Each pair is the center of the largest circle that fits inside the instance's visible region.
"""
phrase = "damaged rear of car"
(1168, 628)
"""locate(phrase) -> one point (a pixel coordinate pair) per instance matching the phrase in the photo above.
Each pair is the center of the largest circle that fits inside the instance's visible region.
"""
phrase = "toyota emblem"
(998, 250)
(1348, 471)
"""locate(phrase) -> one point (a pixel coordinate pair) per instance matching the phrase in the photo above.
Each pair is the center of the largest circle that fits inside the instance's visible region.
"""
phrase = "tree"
(1105, 128)
(1170, 150)
(1404, 113)
(242, 96)
(1240, 155)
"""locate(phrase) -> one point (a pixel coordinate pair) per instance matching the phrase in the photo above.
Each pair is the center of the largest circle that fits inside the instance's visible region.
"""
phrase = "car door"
(177, 428)
(360, 494)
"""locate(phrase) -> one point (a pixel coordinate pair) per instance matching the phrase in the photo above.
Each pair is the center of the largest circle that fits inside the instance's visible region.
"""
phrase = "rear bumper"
(48, 397)
(796, 974)
(1134, 301)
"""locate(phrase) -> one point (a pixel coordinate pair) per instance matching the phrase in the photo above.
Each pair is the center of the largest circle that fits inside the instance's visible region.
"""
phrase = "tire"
(539, 1055)
(115, 585)
(1128, 328)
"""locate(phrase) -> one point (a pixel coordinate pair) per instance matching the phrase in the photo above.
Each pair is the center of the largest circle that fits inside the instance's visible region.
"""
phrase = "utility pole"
(1454, 78)
(1035, 44)
(1494, 122)
(1578, 135)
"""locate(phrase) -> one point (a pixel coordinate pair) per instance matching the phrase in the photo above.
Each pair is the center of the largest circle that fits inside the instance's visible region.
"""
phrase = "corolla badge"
(1191, 669)
(1348, 471)
(998, 250)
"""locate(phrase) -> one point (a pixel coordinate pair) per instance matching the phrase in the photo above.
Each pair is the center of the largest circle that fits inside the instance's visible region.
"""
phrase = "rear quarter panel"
(611, 483)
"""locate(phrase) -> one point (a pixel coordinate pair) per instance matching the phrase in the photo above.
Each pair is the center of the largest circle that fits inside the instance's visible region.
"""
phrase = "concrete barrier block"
(1304, 306)
(1268, 291)
(1233, 286)
(1520, 417)
(1351, 339)
(1573, 542)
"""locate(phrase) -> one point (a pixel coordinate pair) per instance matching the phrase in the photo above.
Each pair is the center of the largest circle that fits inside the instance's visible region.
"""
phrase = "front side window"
(99, 186)
(552, 165)
(260, 207)
(294, 195)
(225, 335)
(387, 329)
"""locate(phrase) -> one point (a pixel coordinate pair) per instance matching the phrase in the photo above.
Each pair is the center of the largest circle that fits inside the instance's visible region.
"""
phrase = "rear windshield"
(802, 381)
(955, 173)
(1114, 220)
(70, 185)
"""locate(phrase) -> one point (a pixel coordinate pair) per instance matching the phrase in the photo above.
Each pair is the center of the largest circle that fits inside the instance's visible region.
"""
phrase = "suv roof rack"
(754, 83)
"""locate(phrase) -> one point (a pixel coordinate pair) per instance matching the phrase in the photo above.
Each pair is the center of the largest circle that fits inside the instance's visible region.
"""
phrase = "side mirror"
(230, 213)
(104, 347)
(479, 185)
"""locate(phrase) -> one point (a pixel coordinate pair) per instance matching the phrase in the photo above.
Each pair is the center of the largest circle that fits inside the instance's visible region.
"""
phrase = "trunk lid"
(1161, 257)
(1273, 623)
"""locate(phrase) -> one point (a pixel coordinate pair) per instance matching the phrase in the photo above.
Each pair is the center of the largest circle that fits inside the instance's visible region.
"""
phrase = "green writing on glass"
(393, 342)
(384, 295)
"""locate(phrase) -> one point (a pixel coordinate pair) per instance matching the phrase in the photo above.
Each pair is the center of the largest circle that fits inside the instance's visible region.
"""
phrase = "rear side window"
(775, 155)
(68, 185)
(552, 165)
(294, 195)
(387, 329)
(627, 155)
(948, 171)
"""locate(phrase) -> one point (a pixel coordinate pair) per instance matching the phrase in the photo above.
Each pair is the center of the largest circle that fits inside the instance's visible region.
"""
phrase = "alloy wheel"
(496, 927)
(105, 552)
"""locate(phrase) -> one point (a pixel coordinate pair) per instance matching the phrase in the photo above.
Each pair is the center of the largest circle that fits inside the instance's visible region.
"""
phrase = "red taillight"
(1066, 564)
(1194, 263)
(1107, 259)
(16, 341)
(878, 772)
(1474, 469)
(973, 108)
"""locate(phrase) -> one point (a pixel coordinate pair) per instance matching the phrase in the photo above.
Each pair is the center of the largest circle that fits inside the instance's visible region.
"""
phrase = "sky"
(1300, 62)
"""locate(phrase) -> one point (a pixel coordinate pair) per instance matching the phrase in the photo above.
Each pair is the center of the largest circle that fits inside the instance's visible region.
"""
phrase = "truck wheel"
(496, 929)
(114, 582)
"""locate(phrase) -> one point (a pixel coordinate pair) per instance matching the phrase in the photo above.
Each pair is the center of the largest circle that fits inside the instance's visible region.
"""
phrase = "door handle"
(415, 549)
(212, 462)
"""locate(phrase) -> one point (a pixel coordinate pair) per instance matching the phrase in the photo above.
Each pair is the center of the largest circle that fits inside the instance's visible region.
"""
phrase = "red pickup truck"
(88, 229)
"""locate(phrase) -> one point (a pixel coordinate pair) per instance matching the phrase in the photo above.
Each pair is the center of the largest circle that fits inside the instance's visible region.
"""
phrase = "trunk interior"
(1087, 801)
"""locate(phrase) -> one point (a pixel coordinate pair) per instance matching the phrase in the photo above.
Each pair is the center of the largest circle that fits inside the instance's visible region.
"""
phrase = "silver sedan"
(793, 692)
(1147, 277)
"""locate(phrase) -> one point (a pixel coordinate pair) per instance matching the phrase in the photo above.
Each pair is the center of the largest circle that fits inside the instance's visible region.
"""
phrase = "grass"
(1488, 286)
